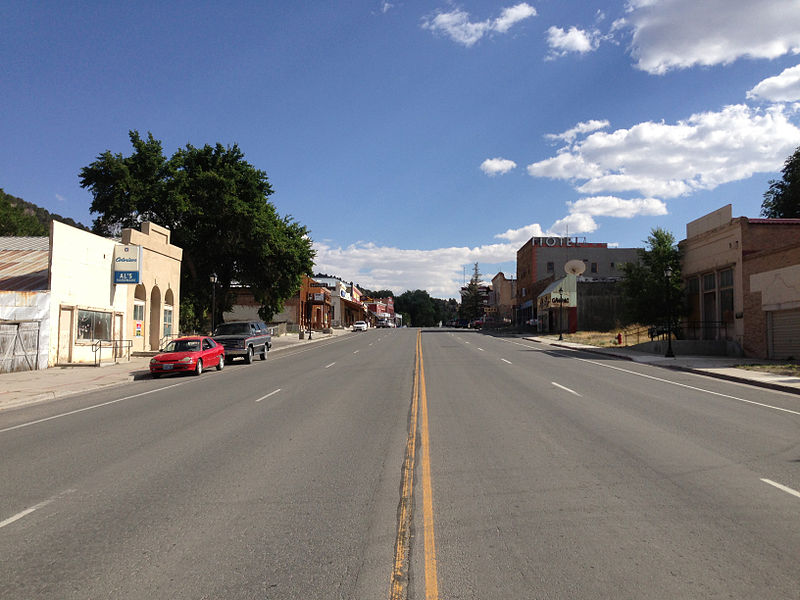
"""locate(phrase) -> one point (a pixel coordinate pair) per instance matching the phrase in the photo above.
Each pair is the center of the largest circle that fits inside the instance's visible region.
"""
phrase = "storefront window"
(94, 325)
(138, 312)
(726, 295)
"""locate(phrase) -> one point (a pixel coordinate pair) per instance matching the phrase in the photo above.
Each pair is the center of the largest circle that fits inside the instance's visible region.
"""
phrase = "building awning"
(562, 292)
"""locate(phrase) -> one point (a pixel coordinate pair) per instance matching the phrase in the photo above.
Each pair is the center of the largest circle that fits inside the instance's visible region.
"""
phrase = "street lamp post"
(213, 280)
(561, 314)
(668, 274)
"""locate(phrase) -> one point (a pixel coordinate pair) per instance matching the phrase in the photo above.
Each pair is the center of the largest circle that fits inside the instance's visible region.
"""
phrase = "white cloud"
(678, 34)
(513, 15)
(781, 88)
(611, 206)
(669, 160)
(456, 24)
(439, 271)
(517, 237)
(562, 42)
(497, 166)
(585, 127)
(574, 224)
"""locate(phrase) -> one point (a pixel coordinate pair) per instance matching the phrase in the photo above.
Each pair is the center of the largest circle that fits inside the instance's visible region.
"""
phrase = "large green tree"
(216, 205)
(782, 199)
(418, 306)
(652, 287)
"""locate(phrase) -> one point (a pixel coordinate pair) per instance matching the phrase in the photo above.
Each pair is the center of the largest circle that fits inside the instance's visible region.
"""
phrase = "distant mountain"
(20, 217)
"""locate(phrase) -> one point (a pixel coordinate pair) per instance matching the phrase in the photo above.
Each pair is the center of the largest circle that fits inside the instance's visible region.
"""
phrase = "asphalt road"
(533, 473)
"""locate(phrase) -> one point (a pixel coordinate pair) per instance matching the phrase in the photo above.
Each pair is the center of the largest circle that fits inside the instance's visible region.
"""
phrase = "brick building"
(742, 278)
(542, 259)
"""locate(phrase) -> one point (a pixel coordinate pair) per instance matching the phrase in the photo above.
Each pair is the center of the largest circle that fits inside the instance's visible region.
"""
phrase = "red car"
(188, 354)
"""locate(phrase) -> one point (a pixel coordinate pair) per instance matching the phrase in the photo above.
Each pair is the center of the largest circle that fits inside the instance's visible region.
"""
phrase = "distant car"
(188, 354)
(360, 326)
(244, 339)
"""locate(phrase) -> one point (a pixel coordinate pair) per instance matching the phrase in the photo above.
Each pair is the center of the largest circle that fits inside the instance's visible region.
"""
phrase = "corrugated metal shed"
(24, 263)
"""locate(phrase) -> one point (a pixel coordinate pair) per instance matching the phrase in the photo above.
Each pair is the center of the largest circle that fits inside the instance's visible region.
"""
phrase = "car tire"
(263, 354)
(221, 363)
(198, 370)
(248, 358)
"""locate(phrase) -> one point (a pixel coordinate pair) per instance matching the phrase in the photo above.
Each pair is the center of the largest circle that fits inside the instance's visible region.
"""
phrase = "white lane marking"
(481, 349)
(330, 365)
(566, 389)
(80, 410)
(356, 352)
(691, 387)
(268, 395)
(788, 490)
(34, 508)
(683, 385)
(506, 361)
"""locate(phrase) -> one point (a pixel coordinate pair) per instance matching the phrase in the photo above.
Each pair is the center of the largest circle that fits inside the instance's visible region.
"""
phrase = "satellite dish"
(575, 267)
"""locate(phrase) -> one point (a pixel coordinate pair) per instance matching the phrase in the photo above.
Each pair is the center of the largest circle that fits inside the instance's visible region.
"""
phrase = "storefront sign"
(127, 264)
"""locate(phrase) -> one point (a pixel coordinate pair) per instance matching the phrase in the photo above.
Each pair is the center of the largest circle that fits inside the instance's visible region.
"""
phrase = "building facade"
(542, 258)
(87, 305)
(742, 281)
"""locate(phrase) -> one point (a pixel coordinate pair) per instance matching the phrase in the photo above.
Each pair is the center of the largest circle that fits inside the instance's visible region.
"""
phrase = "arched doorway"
(155, 318)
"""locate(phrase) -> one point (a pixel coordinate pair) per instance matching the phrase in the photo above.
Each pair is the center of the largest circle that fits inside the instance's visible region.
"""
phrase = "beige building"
(742, 278)
(154, 305)
(92, 316)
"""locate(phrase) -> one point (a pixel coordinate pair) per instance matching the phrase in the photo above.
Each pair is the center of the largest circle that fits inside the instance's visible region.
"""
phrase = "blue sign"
(126, 276)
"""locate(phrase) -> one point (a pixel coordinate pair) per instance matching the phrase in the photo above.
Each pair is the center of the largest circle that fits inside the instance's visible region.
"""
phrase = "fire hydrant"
(619, 339)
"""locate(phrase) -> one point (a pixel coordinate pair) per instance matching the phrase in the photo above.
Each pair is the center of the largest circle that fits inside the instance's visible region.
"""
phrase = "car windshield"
(183, 346)
(233, 329)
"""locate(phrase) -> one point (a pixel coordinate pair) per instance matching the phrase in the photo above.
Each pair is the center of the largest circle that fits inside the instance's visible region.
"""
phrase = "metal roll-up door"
(785, 334)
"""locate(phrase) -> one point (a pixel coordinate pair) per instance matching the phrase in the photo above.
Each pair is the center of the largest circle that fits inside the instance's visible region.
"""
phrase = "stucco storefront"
(87, 307)
(154, 304)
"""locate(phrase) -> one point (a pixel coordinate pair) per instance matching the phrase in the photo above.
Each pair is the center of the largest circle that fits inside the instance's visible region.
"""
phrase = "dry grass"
(790, 369)
(599, 338)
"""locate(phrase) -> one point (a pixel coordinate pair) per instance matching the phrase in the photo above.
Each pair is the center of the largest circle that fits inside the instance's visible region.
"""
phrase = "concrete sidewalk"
(26, 387)
(721, 367)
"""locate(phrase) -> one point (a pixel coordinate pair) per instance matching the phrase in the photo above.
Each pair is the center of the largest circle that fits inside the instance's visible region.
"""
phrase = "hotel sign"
(127, 264)
(558, 242)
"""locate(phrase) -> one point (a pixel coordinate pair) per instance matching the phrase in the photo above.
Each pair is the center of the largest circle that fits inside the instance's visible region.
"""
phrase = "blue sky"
(416, 138)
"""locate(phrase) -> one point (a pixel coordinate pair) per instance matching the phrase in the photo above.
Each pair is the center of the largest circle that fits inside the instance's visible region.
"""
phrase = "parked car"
(188, 354)
(243, 339)
(360, 326)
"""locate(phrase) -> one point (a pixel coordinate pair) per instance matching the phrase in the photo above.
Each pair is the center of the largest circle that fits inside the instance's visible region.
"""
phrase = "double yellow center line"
(419, 410)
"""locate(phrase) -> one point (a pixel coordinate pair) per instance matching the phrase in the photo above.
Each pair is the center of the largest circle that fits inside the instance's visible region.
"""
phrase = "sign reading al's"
(127, 263)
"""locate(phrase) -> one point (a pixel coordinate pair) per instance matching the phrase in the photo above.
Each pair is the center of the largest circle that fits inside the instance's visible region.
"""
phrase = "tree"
(15, 220)
(216, 205)
(418, 306)
(21, 218)
(471, 299)
(782, 199)
(649, 294)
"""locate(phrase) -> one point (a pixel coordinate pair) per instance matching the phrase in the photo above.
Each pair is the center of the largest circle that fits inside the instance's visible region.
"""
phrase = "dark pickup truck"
(243, 339)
